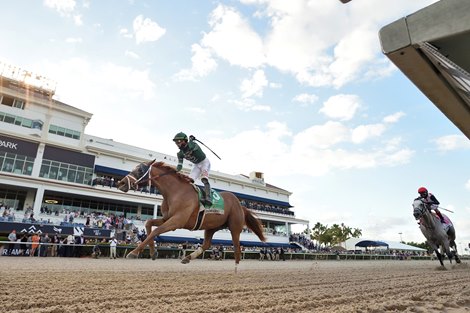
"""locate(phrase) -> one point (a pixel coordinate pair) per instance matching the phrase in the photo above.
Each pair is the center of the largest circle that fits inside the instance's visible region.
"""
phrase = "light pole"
(401, 239)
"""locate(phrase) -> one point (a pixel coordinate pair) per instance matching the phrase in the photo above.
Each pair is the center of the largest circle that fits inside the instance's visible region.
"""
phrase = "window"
(10, 119)
(16, 163)
(66, 172)
(18, 104)
(8, 101)
(20, 121)
(62, 131)
(37, 124)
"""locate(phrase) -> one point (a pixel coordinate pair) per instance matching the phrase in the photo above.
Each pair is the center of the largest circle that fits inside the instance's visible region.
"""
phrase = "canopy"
(371, 243)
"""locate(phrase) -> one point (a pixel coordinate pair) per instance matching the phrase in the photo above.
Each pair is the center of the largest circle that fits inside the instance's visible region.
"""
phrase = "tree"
(333, 235)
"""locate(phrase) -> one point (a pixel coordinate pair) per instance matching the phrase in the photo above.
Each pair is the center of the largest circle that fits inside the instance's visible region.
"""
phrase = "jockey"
(429, 199)
(191, 151)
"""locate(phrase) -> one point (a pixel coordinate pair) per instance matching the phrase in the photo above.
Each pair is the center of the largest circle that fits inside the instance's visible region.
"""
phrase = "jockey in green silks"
(192, 152)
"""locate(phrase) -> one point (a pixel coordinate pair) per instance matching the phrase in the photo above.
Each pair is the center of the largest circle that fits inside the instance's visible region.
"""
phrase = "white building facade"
(49, 165)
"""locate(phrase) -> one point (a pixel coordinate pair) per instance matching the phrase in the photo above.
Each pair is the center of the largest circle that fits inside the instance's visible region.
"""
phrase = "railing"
(86, 250)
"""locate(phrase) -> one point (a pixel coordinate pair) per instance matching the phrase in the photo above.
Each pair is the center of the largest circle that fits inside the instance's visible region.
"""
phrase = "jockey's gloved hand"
(179, 167)
(191, 137)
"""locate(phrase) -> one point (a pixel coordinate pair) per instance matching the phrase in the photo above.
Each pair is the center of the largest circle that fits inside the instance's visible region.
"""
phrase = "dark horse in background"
(180, 209)
(433, 230)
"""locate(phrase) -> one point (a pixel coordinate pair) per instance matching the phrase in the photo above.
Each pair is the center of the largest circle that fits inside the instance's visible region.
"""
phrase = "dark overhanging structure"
(432, 48)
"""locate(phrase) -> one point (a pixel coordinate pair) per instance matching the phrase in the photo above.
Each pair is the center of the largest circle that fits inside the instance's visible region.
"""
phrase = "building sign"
(67, 156)
(18, 146)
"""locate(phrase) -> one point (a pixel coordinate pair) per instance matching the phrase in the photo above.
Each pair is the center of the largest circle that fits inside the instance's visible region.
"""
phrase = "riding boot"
(207, 189)
(438, 213)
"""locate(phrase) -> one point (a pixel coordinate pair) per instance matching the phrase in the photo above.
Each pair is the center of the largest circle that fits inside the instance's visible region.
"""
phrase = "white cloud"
(321, 136)
(132, 55)
(293, 31)
(341, 107)
(467, 184)
(125, 33)
(202, 64)
(364, 132)
(146, 30)
(77, 19)
(393, 118)
(247, 104)
(254, 86)
(196, 110)
(305, 98)
(232, 39)
(64, 7)
(73, 40)
(452, 142)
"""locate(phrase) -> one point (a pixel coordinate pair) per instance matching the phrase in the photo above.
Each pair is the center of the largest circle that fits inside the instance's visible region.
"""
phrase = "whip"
(194, 139)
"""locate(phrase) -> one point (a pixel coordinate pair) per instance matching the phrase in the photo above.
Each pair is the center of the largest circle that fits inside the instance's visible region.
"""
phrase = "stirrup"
(207, 202)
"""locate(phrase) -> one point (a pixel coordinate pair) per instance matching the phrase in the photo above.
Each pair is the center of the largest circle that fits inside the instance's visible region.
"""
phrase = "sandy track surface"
(104, 285)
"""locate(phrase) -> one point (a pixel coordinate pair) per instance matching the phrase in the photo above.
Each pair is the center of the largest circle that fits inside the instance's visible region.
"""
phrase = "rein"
(150, 178)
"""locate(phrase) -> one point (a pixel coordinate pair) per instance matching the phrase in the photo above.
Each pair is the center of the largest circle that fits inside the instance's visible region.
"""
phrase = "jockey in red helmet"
(429, 199)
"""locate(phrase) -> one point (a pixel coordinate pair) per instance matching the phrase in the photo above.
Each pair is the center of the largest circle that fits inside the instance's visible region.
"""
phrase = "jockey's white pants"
(201, 170)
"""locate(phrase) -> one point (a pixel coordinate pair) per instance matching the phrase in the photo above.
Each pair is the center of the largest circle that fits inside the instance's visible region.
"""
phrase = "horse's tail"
(254, 224)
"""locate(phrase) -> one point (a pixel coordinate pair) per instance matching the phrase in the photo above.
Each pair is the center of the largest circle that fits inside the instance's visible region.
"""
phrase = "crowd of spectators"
(111, 182)
(260, 206)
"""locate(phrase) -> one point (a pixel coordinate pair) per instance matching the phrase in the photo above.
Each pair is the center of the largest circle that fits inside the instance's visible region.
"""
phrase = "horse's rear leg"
(454, 252)
(148, 229)
(206, 244)
(236, 247)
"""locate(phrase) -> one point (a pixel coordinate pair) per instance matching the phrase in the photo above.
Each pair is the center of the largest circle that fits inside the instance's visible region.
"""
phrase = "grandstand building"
(50, 167)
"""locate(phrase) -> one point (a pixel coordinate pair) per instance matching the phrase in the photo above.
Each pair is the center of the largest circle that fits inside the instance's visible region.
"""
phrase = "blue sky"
(296, 89)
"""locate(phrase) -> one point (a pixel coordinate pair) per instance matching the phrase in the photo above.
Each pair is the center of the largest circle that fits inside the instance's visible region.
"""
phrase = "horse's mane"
(179, 175)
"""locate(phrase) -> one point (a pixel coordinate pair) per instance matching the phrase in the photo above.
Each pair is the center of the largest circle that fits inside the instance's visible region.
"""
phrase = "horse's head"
(132, 180)
(419, 208)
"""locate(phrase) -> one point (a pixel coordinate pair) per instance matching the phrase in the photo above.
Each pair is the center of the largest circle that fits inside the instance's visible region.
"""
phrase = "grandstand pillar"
(38, 160)
(38, 200)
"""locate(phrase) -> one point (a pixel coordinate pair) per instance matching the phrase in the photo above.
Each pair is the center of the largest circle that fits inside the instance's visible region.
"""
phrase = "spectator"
(112, 248)
(23, 245)
(55, 247)
(46, 249)
(283, 257)
(34, 244)
(79, 241)
(96, 252)
(12, 238)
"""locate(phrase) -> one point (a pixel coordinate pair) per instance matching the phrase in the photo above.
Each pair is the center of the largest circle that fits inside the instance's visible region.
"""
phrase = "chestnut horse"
(180, 209)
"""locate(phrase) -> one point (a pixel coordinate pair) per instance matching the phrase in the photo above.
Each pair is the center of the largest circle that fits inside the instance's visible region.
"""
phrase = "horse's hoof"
(154, 256)
(185, 261)
(131, 255)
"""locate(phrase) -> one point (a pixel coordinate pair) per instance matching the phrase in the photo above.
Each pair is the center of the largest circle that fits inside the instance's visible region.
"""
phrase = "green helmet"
(180, 136)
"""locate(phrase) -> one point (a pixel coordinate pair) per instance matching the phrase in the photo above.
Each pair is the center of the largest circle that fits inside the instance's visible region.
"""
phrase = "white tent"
(350, 244)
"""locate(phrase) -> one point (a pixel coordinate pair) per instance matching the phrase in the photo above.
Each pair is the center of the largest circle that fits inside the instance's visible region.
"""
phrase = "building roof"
(431, 48)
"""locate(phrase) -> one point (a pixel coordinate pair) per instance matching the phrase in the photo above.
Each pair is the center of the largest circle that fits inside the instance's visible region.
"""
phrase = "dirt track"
(88, 285)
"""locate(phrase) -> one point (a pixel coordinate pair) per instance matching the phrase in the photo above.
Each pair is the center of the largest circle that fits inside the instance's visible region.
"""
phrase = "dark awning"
(110, 170)
(371, 243)
(171, 239)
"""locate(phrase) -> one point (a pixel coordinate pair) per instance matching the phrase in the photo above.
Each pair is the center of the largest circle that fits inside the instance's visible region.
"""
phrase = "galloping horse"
(434, 231)
(180, 209)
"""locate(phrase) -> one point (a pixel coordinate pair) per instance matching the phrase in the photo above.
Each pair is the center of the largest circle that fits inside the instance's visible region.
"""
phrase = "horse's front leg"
(439, 256)
(169, 225)
(448, 252)
(148, 228)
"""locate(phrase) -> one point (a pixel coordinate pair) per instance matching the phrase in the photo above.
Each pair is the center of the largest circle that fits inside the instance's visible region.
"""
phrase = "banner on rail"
(7, 227)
